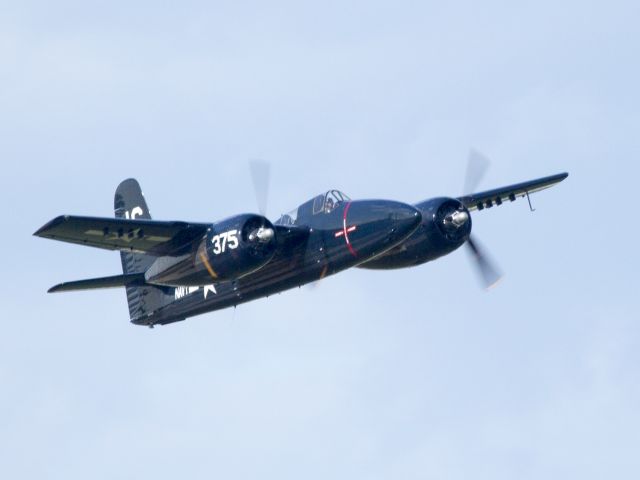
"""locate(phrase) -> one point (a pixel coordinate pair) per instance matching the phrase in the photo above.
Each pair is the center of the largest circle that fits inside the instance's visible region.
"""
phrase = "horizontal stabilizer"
(129, 280)
(479, 201)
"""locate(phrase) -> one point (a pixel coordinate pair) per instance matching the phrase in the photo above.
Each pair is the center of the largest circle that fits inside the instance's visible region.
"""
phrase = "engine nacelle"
(446, 225)
(231, 249)
(238, 246)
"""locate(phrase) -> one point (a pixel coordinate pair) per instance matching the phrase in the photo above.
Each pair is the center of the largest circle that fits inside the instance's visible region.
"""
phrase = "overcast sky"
(411, 374)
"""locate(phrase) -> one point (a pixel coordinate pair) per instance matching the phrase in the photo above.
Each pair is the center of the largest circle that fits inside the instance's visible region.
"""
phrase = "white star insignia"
(209, 288)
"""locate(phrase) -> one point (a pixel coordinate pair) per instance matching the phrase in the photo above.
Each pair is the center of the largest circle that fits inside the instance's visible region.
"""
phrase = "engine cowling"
(238, 246)
(446, 225)
(231, 249)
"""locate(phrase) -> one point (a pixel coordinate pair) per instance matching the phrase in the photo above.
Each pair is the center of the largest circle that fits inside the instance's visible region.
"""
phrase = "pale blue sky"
(413, 374)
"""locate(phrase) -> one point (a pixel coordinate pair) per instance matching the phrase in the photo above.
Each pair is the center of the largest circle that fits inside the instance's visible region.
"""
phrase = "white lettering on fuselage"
(182, 292)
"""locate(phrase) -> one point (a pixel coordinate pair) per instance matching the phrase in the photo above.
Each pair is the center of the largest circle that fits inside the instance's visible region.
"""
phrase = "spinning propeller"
(260, 175)
(476, 168)
(260, 172)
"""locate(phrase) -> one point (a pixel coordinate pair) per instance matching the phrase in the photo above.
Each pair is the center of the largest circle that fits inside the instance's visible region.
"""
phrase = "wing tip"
(553, 179)
(42, 231)
(56, 288)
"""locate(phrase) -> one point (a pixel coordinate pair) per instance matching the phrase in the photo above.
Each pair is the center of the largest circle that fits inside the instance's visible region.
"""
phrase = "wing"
(140, 236)
(482, 200)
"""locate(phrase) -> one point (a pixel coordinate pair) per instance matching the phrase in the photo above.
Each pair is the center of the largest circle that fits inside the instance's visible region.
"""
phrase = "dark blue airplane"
(173, 270)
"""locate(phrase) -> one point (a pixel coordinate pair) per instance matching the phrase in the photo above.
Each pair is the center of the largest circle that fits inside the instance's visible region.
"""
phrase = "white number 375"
(225, 240)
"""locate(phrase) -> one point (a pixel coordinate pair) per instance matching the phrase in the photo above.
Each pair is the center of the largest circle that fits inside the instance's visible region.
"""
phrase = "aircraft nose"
(372, 226)
(400, 217)
(405, 219)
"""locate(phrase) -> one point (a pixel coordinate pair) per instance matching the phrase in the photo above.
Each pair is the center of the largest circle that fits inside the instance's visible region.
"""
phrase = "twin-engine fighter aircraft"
(173, 270)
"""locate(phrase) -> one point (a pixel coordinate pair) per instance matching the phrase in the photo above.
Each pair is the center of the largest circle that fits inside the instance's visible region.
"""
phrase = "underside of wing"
(482, 200)
(140, 236)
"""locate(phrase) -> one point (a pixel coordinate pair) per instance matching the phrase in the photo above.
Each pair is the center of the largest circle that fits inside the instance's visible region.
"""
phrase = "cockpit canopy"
(321, 204)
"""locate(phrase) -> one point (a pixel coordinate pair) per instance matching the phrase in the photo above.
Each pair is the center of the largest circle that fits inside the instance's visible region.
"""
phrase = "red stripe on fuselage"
(346, 230)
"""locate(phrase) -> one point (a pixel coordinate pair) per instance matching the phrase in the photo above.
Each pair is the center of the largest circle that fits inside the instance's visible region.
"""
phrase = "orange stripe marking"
(207, 265)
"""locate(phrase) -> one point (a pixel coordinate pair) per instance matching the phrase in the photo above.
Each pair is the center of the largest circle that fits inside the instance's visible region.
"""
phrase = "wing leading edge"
(482, 200)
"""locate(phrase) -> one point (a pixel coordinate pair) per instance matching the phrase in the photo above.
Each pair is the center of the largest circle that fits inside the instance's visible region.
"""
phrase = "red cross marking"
(347, 230)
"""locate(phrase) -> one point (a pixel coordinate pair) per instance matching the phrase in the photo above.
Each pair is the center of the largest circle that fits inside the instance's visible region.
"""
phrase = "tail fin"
(129, 203)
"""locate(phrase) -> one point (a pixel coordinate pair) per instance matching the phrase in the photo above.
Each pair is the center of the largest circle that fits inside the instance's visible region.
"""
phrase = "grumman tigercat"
(173, 270)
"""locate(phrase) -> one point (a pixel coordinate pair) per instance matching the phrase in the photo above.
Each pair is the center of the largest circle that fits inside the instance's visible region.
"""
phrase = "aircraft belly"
(287, 270)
